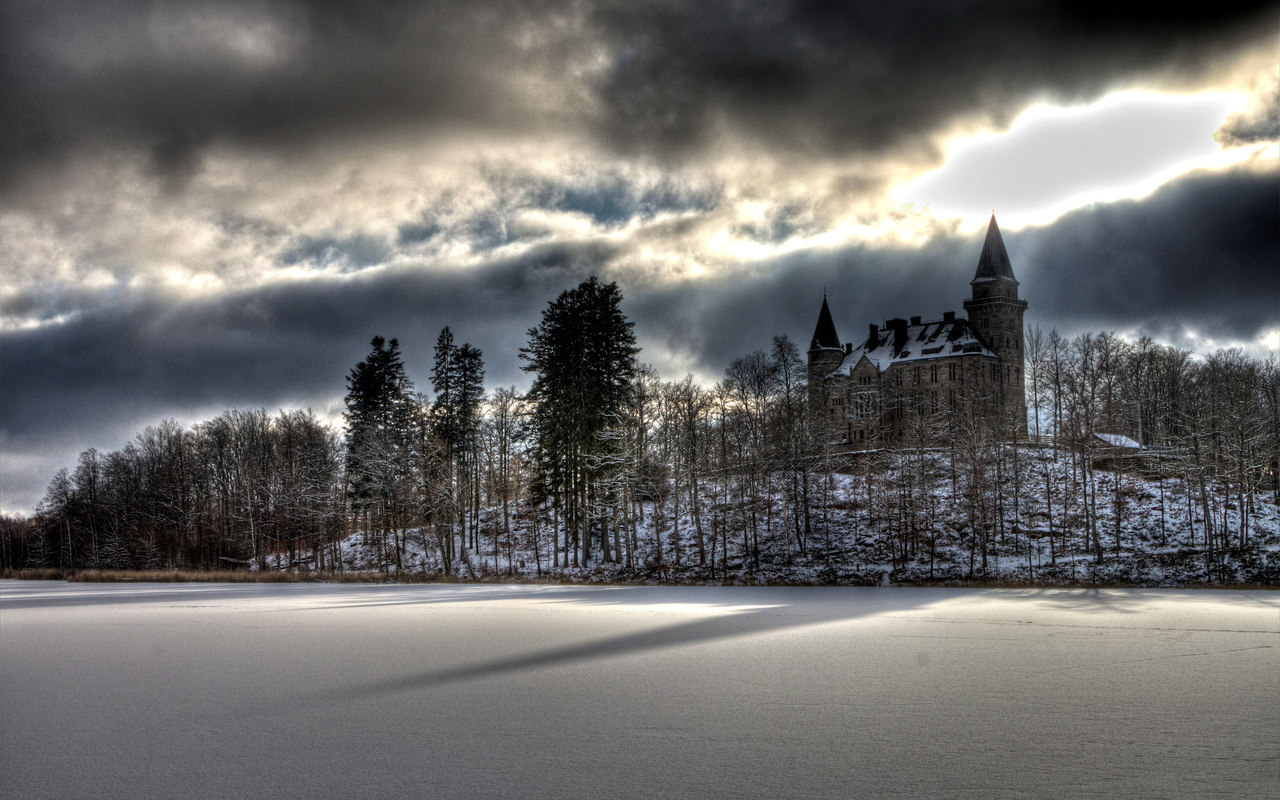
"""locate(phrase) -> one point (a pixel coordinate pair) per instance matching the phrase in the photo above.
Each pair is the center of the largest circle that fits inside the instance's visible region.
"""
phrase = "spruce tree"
(583, 355)
(458, 380)
(380, 424)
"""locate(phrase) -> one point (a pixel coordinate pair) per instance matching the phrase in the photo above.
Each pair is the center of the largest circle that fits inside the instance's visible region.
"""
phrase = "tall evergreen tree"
(583, 355)
(458, 380)
(444, 381)
(380, 432)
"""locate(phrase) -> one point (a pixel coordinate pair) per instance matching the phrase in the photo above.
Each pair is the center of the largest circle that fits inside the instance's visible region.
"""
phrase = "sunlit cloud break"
(1053, 159)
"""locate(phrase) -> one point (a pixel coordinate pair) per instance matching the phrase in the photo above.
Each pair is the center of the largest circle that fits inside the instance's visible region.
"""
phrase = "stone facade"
(912, 373)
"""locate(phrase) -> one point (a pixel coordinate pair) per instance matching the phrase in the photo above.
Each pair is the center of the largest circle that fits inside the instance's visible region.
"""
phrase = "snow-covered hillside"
(901, 519)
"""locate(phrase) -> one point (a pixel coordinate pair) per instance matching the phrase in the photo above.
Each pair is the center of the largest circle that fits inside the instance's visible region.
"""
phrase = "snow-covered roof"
(1116, 440)
(927, 340)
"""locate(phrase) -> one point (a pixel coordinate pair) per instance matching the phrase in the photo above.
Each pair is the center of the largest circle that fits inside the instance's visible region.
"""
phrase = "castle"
(914, 371)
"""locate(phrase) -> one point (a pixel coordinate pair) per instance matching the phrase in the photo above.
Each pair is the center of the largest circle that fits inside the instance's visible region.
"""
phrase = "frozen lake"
(313, 691)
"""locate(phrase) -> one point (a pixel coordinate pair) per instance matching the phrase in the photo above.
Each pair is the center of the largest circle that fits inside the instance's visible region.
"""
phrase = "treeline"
(224, 493)
(602, 462)
(1214, 423)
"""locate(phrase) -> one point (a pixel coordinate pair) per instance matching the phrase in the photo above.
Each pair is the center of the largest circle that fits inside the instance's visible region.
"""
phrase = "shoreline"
(878, 579)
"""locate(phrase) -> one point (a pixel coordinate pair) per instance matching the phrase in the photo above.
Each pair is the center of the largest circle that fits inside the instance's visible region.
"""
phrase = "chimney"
(948, 316)
(848, 348)
(875, 334)
(915, 320)
(899, 328)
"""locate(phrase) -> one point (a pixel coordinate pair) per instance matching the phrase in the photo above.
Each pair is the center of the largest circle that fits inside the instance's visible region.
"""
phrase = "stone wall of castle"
(871, 404)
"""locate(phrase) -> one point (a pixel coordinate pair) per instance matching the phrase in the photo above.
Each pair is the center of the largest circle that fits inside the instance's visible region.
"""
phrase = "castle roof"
(824, 335)
(993, 264)
(899, 343)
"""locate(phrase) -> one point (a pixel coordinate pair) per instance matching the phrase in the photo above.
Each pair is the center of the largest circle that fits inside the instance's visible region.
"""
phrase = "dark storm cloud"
(176, 160)
(1200, 253)
(841, 76)
(171, 78)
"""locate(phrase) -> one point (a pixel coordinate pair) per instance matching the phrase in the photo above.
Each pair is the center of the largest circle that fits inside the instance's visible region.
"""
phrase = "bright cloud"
(1053, 159)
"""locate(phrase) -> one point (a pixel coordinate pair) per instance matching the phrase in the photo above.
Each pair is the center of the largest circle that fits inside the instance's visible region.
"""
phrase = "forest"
(601, 470)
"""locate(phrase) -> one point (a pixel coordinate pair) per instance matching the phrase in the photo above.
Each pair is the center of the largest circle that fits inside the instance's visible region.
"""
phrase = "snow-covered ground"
(856, 536)
(316, 691)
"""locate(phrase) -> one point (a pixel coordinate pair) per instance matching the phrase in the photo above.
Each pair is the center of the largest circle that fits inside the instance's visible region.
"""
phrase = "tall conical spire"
(993, 264)
(824, 335)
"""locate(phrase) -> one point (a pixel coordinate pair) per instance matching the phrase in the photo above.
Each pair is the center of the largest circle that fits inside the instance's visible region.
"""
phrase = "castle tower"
(995, 313)
(825, 352)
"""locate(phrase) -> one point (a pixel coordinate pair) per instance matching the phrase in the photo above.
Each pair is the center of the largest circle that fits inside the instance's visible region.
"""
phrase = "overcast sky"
(206, 205)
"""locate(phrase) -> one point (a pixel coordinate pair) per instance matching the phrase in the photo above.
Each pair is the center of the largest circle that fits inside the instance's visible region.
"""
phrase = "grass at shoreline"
(196, 576)
(246, 576)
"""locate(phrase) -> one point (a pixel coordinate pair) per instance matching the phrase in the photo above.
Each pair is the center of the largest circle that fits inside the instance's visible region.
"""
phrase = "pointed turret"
(993, 264)
(825, 352)
(995, 315)
(824, 334)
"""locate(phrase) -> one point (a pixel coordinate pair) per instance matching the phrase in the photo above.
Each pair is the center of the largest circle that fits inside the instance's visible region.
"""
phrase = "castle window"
(933, 373)
(915, 376)
(951, 370)
(897, 377)
(864, 405)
